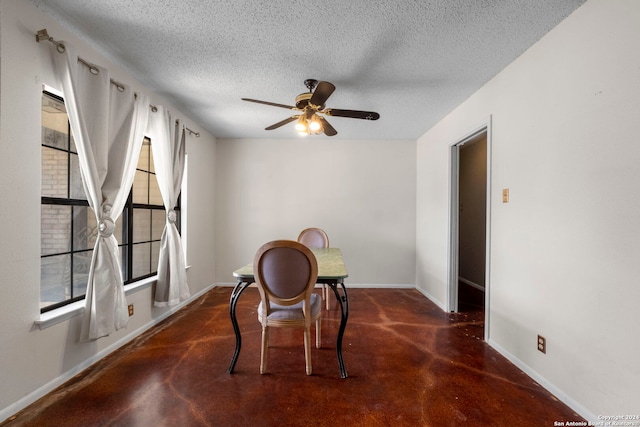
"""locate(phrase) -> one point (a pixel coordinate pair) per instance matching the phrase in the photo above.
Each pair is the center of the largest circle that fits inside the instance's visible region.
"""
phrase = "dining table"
(331, 271)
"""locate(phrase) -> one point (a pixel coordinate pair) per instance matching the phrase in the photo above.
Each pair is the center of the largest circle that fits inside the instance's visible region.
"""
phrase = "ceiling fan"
(310, 107)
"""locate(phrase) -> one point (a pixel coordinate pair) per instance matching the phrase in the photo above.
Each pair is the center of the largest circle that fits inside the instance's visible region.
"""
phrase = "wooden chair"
(286, 272)
(315, 238)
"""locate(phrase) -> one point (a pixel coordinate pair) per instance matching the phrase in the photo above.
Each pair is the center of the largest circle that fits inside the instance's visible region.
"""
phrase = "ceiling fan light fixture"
(315, 125)
(301, 126)
(310, 110)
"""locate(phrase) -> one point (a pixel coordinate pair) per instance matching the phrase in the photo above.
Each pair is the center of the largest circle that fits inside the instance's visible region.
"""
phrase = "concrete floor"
(409, 364)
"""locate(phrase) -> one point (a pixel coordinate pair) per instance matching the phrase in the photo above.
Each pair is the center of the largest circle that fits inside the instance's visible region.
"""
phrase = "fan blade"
(273, 104)
(354, 114)
(282, 123)
(327, 128)
(322, 93)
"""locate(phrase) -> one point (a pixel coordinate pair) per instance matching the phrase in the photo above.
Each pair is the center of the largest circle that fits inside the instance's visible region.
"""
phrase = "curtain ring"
(106, 227)
(60, 47)
(171, 216)
(118, 86)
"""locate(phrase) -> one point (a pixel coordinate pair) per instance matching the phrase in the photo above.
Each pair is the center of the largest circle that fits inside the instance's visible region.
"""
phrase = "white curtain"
(108, 128)
(168, 145)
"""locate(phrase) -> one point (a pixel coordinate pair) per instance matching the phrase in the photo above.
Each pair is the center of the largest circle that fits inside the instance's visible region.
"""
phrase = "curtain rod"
(93, 69)
(192, 132)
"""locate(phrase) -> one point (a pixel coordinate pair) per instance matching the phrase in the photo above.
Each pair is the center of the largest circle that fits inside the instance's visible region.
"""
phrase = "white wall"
(565, 249)
(362, 193)
(32, 360)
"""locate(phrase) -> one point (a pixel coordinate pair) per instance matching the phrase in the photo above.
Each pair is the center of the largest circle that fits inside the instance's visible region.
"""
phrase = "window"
(146, 214)
(68, 224)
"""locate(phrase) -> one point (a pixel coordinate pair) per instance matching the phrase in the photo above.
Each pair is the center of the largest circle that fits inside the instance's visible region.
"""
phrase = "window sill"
(61, 314)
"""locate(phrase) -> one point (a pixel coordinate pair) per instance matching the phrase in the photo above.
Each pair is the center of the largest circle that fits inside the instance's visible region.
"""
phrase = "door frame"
(454, 168)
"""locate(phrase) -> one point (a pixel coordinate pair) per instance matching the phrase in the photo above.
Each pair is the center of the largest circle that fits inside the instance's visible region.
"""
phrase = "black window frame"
(126, 241)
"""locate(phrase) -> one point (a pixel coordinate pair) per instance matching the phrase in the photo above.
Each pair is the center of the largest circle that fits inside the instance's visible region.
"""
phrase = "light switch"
(505, 195)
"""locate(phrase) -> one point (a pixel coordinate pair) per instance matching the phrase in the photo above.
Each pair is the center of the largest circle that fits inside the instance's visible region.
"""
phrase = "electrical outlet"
(505, 195)
(130, 310)
(542, 344)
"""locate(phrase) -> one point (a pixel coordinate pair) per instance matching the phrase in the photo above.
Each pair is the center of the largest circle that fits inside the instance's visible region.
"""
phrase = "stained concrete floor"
(409, 364)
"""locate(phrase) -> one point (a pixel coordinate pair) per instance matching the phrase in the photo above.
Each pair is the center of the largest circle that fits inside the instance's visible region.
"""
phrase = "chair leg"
(307, 349)
(327, 299)
(318, 332)
(263, 351)
(323, 291)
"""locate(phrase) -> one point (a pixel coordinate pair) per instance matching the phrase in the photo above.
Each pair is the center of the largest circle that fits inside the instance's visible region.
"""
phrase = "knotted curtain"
(168, 145)
(108, 122)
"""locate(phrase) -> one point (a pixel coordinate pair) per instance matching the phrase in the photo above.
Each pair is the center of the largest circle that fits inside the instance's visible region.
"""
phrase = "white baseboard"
(470, 283)
(379, 286)
(347, 285)
(431, 298)
(30, 398)
(551, 388)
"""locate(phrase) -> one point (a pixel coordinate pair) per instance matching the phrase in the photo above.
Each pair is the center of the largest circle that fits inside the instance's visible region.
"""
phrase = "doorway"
(468, 278)
(472, 219)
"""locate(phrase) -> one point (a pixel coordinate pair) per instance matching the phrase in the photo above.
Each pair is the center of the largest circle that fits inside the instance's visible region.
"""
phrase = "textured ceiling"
(412, 61)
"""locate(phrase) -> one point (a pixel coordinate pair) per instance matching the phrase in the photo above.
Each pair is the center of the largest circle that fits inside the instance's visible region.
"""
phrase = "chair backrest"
(314, 238)
(285, 272)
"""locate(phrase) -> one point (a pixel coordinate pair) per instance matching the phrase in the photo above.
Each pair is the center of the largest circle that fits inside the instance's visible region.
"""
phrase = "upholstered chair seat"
(283, 313)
